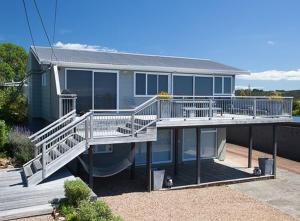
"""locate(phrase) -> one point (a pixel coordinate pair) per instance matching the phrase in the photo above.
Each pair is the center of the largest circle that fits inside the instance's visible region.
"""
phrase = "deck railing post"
(74, 103)
(210, 108)
(44, 161)
(132, 125)
(86, 132)
(60, 106)
(254, 107)
(158, 111)
(91, 125)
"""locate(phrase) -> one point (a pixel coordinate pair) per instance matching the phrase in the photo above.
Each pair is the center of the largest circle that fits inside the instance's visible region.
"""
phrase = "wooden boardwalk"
(17, 201)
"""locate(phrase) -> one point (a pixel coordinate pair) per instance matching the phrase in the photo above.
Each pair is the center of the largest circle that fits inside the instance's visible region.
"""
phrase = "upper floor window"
(223, 85)
(151, 84)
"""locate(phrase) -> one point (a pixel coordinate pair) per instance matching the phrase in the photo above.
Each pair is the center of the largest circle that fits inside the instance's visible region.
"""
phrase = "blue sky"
(261, 36)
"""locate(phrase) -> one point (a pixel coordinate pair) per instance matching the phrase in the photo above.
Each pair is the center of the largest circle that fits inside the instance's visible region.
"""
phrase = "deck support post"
(274, 149)
(198, 153)
(148, 167)
(132, 168)
(175, 141)
(250, 147)
(91, 164)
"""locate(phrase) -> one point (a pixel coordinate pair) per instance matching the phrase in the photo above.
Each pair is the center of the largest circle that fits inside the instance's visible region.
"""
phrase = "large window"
(183, 85)
(223, 85)
(207, 143)
(94, 89)
(161, 149)
(79, 82)
(140, 84)
(204, 86)
(147, 84)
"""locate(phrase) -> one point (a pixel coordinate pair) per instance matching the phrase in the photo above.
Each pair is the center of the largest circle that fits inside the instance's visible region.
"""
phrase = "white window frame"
(92, 83)
(223, 93)
(206, 130)
(163, 161)
(146, 82)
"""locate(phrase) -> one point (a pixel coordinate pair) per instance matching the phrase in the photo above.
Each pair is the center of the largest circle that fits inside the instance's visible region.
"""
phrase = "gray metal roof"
(137, 61)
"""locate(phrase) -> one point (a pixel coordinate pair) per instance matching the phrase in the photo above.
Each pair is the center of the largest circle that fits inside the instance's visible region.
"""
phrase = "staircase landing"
(18, 201)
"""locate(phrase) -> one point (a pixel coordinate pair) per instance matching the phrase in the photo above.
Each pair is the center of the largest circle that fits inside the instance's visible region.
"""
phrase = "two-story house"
(118, 110)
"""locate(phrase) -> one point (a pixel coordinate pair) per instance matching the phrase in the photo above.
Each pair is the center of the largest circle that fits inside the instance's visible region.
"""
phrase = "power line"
(28, 24)
(45, 31)
(54, 25)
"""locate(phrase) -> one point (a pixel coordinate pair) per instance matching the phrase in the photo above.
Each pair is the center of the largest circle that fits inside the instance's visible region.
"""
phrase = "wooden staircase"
(68, 137)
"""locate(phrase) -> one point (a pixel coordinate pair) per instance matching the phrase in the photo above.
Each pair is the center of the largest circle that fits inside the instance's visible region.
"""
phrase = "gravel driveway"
(213, 203)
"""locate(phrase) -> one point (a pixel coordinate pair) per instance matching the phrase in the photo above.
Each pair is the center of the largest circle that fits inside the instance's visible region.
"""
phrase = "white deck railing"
(233, 106)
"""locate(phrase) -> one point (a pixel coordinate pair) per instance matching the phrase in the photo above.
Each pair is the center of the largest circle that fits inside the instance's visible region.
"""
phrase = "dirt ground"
(213, 203)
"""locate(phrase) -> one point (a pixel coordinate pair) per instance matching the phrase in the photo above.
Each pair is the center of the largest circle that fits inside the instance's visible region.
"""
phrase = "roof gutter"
(146, 68)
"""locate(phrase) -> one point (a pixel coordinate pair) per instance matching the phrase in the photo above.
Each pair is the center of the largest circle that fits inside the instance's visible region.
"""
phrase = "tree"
(13, 60)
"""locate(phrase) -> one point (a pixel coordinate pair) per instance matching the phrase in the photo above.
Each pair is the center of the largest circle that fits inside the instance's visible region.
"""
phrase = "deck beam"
(149, 165)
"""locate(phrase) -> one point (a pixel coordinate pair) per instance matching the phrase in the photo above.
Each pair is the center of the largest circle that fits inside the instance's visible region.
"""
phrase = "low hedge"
(78, 205)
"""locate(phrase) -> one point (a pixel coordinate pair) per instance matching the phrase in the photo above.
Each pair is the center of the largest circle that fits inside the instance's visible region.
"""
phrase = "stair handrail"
(49, 127)
(145, 104)
(67, 127)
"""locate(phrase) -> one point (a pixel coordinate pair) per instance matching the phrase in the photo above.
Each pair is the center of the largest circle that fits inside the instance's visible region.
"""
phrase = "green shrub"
(103, 210)
(95, 211)
(21, 146)
(87, 211)
(67, 210)
(4, 131)
(76, 191)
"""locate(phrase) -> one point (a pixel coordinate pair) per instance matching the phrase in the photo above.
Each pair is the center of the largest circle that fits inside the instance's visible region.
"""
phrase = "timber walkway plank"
(17, 201)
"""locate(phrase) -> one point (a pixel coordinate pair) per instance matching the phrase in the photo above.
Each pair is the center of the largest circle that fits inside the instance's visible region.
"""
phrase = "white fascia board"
(145, 68)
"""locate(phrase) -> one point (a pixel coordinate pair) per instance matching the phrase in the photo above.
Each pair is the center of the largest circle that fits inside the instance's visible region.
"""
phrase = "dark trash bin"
(158, 178)
(266, 166)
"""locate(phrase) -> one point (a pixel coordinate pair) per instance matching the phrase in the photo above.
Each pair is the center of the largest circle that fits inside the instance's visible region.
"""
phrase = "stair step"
(63, 147)
(55, 153)
(136, 125)
(124, 130)
(37, 165)
(142, 121)
(73, 141)
(27, 171)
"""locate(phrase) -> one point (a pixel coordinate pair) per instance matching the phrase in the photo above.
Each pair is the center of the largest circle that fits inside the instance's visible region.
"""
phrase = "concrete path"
(282, 193)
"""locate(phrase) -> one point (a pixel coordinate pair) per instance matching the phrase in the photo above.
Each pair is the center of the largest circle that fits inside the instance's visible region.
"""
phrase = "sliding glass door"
(208, 145)
(105, 90)
(79, 82)
(94, 89)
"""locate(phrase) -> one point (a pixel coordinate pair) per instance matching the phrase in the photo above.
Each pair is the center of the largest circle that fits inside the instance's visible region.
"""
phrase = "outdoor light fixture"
(169, 182)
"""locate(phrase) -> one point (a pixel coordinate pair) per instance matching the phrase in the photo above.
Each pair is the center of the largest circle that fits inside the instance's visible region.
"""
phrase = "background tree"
(13, 103)
(13, 60)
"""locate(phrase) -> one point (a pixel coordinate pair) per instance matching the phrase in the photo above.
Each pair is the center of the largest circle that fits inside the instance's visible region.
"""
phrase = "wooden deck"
(17, 201)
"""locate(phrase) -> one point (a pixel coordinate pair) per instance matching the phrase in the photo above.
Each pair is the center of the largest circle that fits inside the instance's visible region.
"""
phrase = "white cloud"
(273, 75)
(271, 43)
(87, 47)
